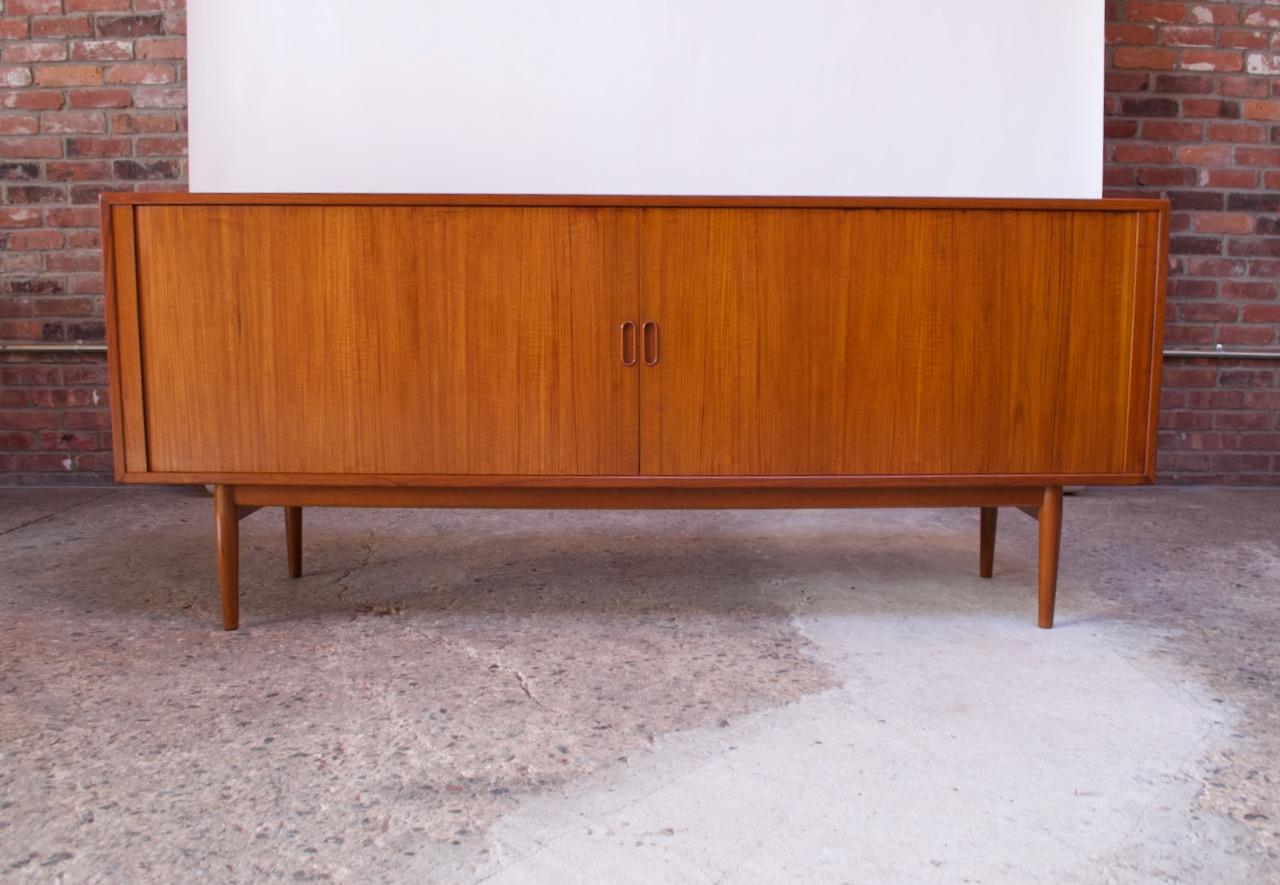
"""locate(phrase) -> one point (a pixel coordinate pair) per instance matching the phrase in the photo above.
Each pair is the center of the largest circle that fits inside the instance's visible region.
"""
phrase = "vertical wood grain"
(360, 339)
(126, 348)
(891, 342)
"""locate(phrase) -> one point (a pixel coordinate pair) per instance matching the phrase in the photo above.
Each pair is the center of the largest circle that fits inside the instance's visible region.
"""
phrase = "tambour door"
(897, 342)
(387, 339)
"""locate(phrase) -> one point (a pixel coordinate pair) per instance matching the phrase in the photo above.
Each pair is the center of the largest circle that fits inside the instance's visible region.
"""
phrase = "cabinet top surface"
(633, 201)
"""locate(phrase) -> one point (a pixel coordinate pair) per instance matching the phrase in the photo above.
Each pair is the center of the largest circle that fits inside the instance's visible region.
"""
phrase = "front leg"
(226, 521)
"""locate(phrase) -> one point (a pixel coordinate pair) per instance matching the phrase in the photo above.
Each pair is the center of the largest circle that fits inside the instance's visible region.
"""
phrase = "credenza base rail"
(234, 502)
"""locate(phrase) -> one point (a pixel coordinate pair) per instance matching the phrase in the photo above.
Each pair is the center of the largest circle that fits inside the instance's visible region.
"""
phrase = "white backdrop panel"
(836, 97)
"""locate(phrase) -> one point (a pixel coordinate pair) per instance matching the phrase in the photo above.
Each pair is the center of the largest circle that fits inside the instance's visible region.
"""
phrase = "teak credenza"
(633, 352)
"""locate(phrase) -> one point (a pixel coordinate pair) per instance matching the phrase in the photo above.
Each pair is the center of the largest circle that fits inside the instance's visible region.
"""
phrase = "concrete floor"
(464, 696)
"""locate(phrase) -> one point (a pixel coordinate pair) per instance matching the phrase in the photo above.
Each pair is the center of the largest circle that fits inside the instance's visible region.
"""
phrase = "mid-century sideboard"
(633, 352)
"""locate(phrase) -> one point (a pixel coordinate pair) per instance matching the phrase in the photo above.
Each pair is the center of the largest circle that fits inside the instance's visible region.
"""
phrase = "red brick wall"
(92, 97)
(1193, 113)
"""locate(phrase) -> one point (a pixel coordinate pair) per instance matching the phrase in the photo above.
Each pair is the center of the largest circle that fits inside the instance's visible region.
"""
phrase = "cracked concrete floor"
(769, 696)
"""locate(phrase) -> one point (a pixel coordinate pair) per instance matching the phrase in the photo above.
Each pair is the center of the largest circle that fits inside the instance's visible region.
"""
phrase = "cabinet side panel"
(124, 347)
(889, 342)
(388, 340)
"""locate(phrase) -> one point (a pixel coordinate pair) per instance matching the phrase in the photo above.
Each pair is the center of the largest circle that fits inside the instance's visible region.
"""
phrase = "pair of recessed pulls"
(648, 339)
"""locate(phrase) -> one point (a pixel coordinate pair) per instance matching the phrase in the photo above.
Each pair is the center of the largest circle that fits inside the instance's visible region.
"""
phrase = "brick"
(77, 217)
(1242, 87)
(134, 170)
(29, 375)
(82, 194)
(1216, 14)
(36, 239)
(19, 125)
(1195, 199)
(161, 146)
(1257, 247)
(1243, 39)
(87, 284)
(32, 100)
(1160, 176)
(128, 25)
(1149, 58)
(1260, 202)
(82, 170)
(1229, 178)
(18, 217)
(1269, 226)
(1265, 268)
(175, 22)
(66, 26)
(34, 148)
(1197, 107)
(22, 419)
(1260, 442)
(1204, 155)
(68, 75)
(1249, 291)
(14, 77)
(1251, 336)
(1143, 153)
(1149, 107)
(1212, 60)
(1131, 34)
(17, 441)
(33, 7)
(25, 53)
(1184, 288)
(134, 123)
(1185, 336)
(1119, 128)
(99, 98)
(72, 122)
(150, 74)
(19, 172)
(1260, 17)
(1210, 312)
(1189, 84)
(161, 47)
(1168, 130)
(1146, 11)
(84, 239)
(1261, 110)
(1126, 81)
(97, 5)
(14, 29)
(160, 97)
(1188, 36)
(72, 262)
(98, 147)
(27, 194)
(1245, 133)
(1215, 267)
(1224, 224)
(35, 286)
(102, 50)
(1252, 156)
(1191, 377)
(1195, 246)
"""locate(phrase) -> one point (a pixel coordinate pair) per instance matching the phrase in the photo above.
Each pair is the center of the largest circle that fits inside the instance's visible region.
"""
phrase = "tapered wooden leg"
(293, 537)
(1050, 539)
(987, 540)
(227, 525)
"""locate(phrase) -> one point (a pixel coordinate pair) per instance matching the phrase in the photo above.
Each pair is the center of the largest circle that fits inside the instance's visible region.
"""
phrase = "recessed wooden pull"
(650, 335)
(628, 343)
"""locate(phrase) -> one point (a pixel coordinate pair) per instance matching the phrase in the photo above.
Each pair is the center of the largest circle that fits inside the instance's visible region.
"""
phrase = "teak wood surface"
(587, 351)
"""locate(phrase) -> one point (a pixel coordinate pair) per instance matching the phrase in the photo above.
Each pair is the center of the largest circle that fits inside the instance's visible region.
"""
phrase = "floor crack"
(49, 516)
(342, 579)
